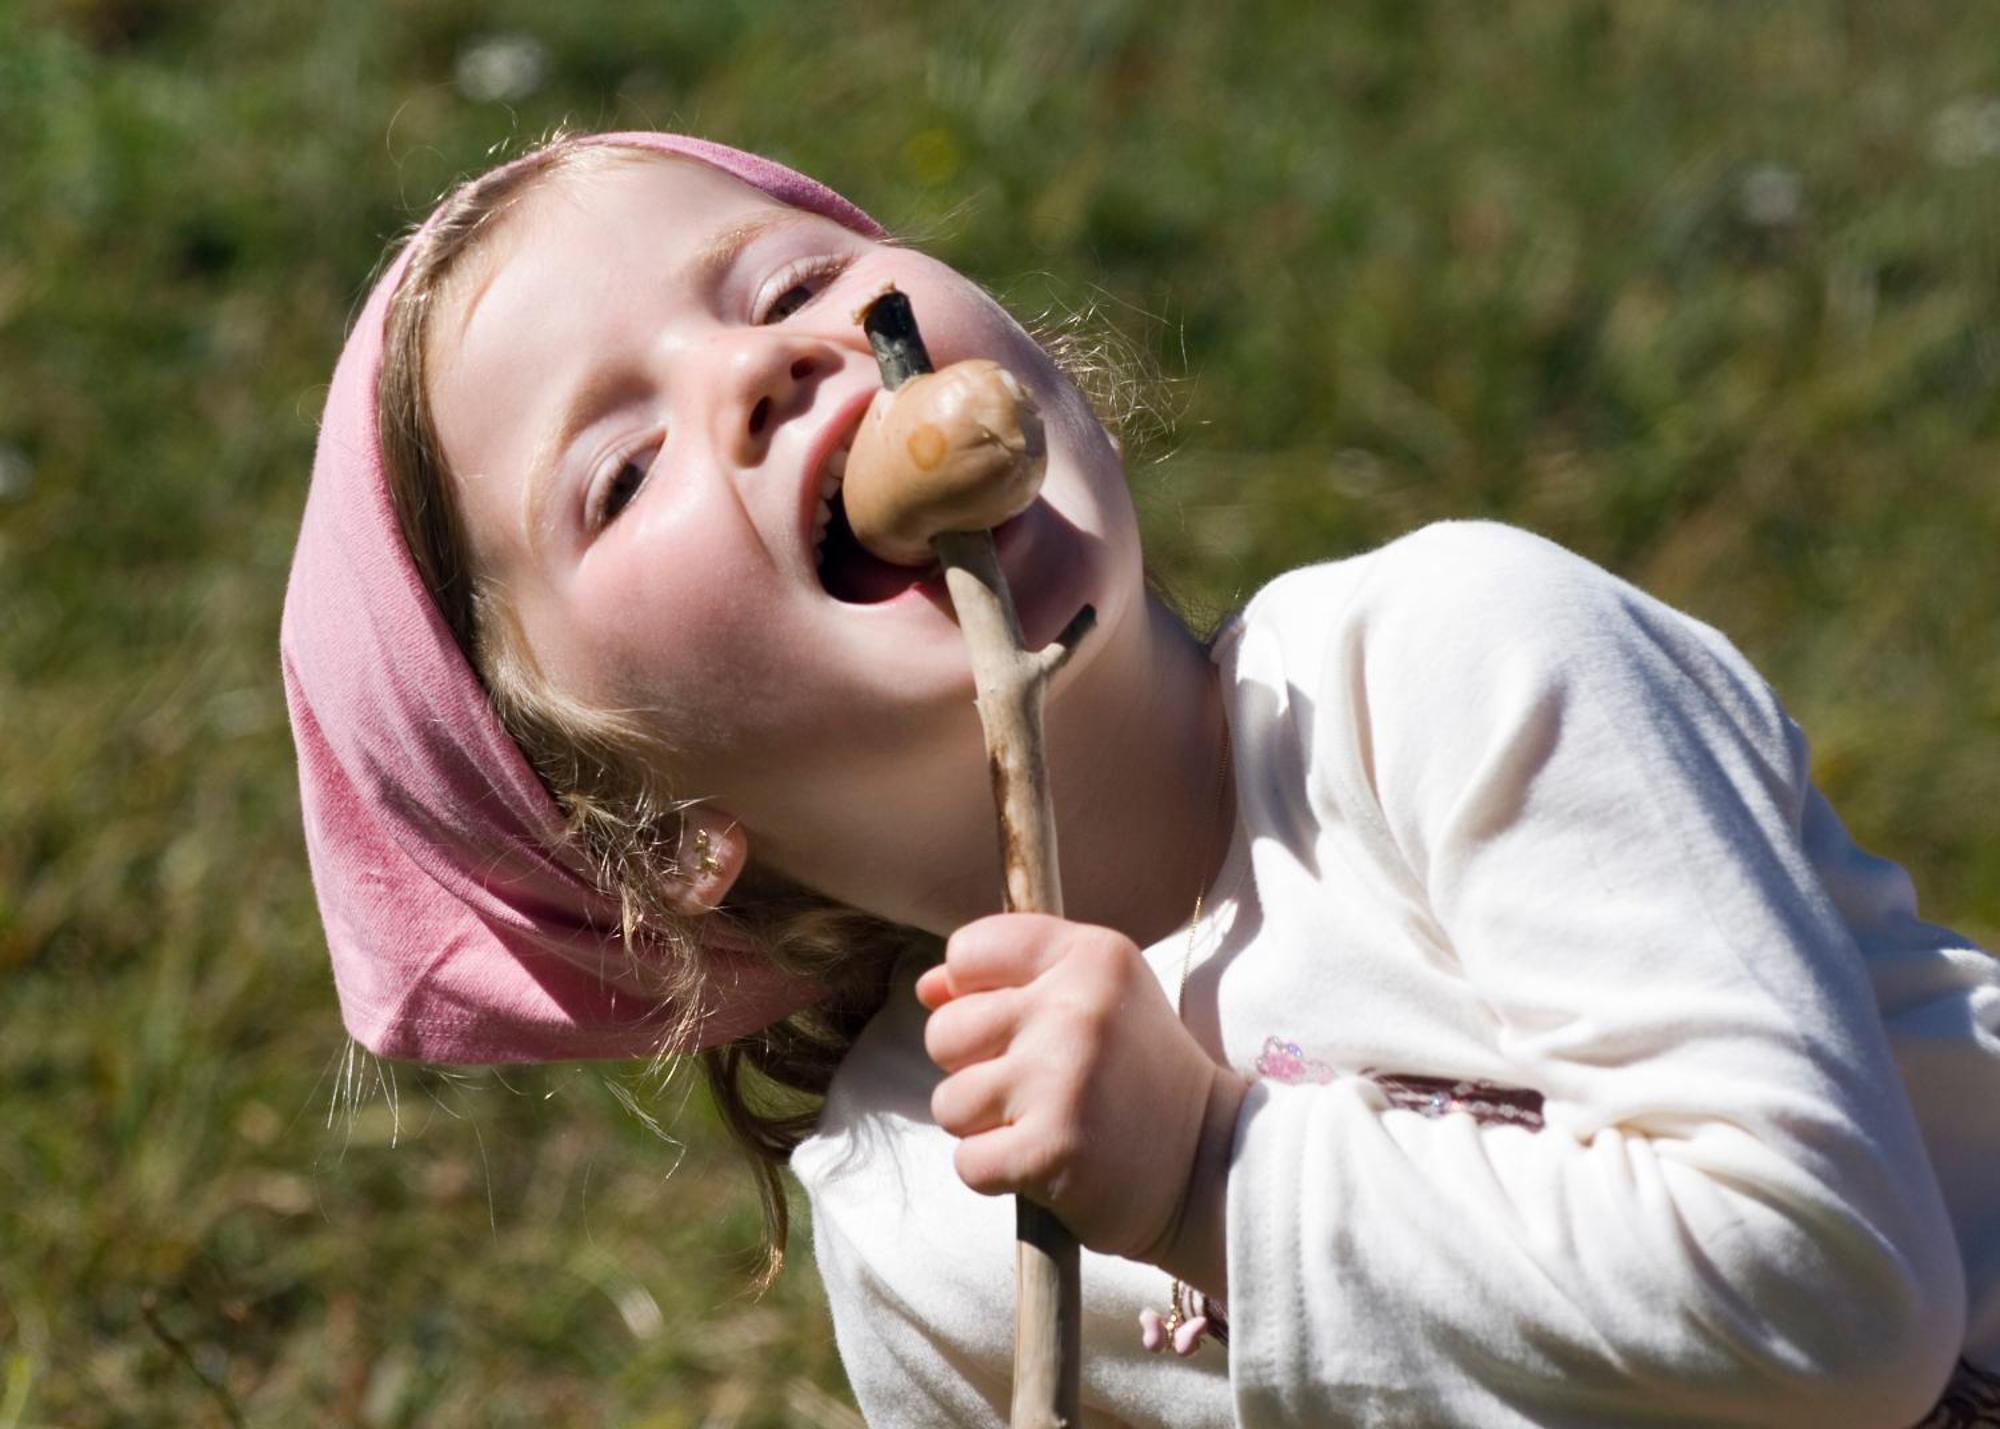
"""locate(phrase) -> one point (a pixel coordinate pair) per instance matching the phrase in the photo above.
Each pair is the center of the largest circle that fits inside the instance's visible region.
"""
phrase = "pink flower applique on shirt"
(1286, 1062)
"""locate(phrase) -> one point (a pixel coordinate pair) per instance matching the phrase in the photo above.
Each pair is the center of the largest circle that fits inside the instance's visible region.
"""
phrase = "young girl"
(1466, 1005)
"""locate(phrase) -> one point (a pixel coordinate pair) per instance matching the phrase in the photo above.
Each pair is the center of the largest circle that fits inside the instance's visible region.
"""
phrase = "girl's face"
(638, 384)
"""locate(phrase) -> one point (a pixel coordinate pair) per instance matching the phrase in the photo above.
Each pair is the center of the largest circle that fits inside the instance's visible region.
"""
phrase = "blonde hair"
(603, 768)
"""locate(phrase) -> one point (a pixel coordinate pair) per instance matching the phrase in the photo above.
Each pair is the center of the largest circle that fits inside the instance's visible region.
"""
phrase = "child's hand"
(1073, 1082)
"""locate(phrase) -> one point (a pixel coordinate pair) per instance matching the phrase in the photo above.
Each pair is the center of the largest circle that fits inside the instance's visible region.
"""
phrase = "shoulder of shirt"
(1451, 583)
(1455, 612)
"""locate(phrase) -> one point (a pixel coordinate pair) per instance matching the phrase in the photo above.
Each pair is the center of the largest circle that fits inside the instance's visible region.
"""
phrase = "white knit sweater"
(1503, 818)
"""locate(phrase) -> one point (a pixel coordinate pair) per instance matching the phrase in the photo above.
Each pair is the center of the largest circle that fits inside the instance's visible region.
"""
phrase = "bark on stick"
(1010, 682)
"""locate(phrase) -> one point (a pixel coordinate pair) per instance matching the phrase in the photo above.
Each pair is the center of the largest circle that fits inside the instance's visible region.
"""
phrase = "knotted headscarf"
(463, 926)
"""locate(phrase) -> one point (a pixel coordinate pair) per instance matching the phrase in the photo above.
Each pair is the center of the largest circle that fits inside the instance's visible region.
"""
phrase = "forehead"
(588, 218)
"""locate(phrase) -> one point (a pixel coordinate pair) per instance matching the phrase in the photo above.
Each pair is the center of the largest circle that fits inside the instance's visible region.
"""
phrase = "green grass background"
(1705, 290)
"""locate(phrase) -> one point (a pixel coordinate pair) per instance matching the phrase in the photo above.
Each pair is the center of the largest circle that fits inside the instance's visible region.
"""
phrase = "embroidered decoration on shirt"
(1286, 1062)
(1485, 1102)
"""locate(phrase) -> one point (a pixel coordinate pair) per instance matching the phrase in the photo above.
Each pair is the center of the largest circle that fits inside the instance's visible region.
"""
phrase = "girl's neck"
(1140, 778)
(1136, 732)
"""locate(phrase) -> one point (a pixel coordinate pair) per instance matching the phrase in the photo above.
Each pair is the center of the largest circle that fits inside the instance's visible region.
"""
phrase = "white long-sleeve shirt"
(1502, 818)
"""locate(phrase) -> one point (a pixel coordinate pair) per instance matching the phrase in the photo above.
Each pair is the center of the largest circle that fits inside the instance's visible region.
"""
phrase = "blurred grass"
(1705, 291)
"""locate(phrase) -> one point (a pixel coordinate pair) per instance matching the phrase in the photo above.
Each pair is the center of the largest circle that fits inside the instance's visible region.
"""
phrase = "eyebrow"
(604, 387)
(721, 250)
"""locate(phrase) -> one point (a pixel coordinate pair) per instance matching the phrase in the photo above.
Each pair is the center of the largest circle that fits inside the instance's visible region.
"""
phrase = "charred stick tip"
(1053, 656)
(1080, 625)
(891, 326)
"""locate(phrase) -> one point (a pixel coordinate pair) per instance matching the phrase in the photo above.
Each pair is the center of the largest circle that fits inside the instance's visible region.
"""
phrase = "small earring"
(705, 861)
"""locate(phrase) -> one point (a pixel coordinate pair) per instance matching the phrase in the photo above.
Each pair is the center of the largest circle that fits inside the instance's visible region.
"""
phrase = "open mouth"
(848, 571)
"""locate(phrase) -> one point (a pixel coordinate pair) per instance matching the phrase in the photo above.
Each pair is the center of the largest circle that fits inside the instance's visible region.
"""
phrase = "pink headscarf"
(462, 928)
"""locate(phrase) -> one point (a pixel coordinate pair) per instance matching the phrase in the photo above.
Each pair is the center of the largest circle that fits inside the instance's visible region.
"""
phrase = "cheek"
(675, 643)
(673, 613)
(958, 318)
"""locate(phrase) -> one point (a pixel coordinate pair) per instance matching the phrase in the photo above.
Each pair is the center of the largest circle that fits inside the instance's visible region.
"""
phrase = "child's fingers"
(934, 987)
(1005, 950)
(973, 1101)
(1007, 1160)
(972, 1029)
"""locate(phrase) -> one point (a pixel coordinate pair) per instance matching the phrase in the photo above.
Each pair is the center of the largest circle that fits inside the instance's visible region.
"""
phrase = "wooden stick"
(1010, 681)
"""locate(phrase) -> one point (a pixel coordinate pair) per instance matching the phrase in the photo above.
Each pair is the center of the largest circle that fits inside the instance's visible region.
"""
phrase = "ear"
(710, 859)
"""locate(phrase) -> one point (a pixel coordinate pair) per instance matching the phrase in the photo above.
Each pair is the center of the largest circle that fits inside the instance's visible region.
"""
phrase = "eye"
(797, 284)
(613, 494)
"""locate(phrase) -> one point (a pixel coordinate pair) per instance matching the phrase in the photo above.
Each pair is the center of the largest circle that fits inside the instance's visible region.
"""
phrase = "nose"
(766, 378)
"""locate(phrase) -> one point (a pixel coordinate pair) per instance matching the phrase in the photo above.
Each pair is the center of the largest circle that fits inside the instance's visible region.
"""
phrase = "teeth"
(829, 487)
